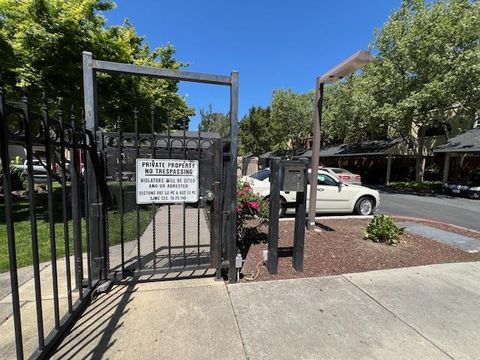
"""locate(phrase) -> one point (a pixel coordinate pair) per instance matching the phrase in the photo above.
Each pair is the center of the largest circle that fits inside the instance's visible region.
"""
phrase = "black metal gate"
(171, 237)
(146, 239)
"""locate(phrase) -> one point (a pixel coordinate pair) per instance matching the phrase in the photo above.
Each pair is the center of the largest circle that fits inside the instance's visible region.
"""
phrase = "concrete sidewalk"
(428, 312)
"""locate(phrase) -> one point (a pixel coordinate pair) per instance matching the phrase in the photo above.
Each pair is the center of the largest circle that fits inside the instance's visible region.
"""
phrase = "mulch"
(340, 249)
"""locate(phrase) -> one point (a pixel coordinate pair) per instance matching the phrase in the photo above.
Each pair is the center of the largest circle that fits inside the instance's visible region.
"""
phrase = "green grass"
(22, 226)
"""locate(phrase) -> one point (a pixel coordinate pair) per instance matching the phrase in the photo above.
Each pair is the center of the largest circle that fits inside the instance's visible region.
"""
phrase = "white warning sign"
(166, 181)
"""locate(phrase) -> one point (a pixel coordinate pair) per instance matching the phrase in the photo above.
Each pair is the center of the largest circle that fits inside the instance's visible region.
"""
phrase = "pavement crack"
(399, 318)
(236, 322)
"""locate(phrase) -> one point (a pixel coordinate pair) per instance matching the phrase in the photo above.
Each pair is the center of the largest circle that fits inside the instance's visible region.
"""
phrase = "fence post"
(96, 226)
(300, 222)
(274, 209)
(232, 241)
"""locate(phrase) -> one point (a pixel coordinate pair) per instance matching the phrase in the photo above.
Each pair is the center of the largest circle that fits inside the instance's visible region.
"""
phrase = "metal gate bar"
(33, 220)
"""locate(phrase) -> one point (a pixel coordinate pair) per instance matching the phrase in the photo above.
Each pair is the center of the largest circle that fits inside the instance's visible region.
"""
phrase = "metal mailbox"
(293, 176)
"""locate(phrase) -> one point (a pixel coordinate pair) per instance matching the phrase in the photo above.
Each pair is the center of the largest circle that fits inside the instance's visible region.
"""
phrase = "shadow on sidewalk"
(99, 322)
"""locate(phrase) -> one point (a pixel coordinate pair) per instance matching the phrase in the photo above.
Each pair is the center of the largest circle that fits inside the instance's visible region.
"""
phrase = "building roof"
(467, 142)
(365, 148)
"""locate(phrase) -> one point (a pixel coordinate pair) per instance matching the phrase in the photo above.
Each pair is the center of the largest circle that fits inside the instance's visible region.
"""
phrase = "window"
(261, 175)
(326, 180)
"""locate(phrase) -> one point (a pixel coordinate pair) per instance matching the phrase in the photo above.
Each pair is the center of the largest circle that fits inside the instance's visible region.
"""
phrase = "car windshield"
(261, 175)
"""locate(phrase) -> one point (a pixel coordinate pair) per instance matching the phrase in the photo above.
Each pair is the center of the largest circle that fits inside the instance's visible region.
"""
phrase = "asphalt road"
(452, 210)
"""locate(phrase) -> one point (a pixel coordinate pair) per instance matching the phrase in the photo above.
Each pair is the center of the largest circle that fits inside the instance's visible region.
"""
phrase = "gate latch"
(209, 196)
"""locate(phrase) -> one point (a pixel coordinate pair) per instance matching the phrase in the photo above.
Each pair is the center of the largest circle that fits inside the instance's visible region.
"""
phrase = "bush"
(384, 230)
(414, 185)
(249, 206)
(16, 180)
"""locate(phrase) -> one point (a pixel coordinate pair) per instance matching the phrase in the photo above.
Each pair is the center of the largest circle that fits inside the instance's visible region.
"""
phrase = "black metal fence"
(55, 227)
(77, 225)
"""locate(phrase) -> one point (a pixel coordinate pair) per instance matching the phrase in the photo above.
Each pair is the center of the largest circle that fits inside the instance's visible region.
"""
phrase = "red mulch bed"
(341, 249)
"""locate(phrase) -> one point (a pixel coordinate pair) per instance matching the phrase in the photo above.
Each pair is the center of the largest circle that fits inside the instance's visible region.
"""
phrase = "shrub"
(249, 206)
(414, 185)
(383, 229)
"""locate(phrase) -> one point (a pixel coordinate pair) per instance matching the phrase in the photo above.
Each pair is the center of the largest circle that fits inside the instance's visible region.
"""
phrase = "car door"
(330, 196)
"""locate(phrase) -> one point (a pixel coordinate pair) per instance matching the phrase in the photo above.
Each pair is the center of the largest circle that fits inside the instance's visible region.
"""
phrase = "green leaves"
(214, 122)
(257, 133)
(427, 59)
(292, 116)
(383, 229)
(41, 44)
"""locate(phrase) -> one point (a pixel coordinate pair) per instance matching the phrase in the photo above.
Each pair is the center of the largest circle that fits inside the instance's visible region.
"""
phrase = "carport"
(462, 154)
(372, 159)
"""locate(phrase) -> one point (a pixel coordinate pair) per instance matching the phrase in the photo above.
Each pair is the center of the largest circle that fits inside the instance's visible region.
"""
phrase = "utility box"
(293, 176)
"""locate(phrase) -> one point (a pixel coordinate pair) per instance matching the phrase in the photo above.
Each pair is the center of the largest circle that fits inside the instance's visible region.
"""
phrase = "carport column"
(389, 169)
(446, 168)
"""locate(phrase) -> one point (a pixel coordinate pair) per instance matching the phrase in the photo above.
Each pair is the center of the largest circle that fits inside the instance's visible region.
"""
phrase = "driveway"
(456, 211)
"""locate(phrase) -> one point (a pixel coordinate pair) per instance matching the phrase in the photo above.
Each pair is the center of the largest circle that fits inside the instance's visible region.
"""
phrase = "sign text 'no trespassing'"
(166, 181)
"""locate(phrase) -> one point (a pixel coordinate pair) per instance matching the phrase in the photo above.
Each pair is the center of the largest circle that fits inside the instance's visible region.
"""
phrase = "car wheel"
(364, 206)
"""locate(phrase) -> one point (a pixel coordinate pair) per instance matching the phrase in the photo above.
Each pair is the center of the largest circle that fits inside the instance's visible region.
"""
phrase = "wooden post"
(389, 169)
(446, 168)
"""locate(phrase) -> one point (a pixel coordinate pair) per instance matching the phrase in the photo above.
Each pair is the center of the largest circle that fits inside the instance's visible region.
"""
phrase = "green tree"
(214, 122)
(292, 117)
(348, 115)
(256, 134)
(428, 60)
(41, 44)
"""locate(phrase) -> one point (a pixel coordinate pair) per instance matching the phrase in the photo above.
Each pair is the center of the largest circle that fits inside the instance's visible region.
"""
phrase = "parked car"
(344, 175)
(39, 171)
(333, 195)
(469, 187)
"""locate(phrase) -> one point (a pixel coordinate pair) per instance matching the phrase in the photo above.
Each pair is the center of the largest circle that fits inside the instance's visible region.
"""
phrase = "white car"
(39, 171)
(333, 196)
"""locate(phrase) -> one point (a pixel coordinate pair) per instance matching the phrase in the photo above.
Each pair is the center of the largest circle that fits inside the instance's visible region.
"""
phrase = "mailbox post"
(300, 215)
(274, 209)
(288, 176)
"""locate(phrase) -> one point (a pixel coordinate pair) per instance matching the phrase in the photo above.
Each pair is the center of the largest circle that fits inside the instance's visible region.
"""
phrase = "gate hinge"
(96, 209)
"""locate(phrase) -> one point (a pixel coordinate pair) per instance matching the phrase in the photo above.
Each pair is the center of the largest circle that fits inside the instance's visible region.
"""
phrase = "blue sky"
(273, 44)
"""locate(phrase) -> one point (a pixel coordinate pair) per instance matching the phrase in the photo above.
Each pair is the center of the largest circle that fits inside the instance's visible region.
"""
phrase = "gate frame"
(97, 214)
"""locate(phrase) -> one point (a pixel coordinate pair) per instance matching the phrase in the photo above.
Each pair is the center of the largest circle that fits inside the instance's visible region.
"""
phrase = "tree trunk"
(420, 158)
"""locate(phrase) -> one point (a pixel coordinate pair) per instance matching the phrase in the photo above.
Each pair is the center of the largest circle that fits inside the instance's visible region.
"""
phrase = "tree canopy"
(292, 116)
(286, 123)
(256, 134)
(427, 59)
(41, 44)
(216, 122)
